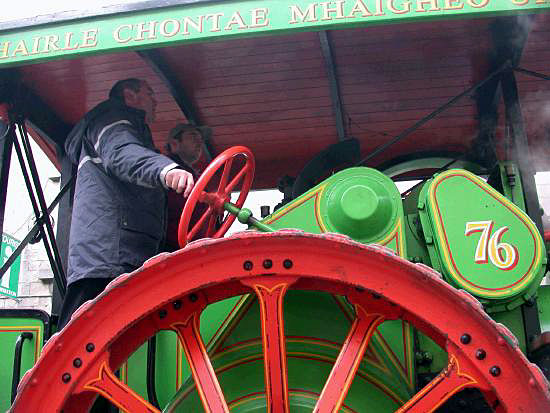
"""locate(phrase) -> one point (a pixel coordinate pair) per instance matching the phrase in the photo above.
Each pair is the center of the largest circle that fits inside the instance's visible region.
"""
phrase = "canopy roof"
(286, 94)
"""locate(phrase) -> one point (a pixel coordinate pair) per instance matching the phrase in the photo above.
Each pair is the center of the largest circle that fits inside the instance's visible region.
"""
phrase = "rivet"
(480, 354)
(177, 304)
(193, 297)
(66, 378)
(267, 264)
(287, 264)
(90, 347)
(77, 362)
(248, 265)
(163, 313)
(465, 338)
(495, 371)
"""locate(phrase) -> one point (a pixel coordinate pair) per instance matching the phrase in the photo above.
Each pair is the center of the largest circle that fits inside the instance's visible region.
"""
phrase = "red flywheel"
(380, 285)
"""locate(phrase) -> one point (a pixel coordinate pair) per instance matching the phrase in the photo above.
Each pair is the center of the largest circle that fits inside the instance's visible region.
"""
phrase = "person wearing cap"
(185, 145)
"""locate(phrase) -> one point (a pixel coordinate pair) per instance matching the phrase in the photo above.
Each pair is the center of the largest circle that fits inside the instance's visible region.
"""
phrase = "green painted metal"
(213, 20)
(385, 378)
(359, 202)
(543, 303)
(10, 329)
(481, 241)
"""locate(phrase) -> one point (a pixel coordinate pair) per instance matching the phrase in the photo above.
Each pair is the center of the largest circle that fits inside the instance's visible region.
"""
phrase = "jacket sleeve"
(126, 157)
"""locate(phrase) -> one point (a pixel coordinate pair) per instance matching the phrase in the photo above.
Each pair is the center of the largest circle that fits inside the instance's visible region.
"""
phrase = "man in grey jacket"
(119, 208)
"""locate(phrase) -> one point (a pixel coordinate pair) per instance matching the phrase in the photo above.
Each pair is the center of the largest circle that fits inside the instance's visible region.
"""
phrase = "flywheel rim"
(271, 264)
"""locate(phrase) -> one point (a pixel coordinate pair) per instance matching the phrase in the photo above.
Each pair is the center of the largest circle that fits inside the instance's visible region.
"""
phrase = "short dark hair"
(117, 91)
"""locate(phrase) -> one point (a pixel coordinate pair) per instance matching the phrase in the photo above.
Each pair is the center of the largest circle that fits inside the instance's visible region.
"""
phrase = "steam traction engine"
(349, 298)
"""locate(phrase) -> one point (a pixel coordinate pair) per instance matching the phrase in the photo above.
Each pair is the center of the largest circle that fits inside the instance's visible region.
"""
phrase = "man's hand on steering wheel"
(180, 181)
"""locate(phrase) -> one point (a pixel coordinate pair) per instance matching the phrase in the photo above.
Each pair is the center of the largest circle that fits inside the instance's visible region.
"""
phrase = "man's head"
(186, 141)
(135, 93)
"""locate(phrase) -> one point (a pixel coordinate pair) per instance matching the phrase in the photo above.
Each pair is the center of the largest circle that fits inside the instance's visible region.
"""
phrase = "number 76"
(489, 247)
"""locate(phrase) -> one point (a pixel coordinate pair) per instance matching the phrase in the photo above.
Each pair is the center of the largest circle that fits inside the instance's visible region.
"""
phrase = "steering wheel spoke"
(198, 225)
(225, 175)
(229, 188)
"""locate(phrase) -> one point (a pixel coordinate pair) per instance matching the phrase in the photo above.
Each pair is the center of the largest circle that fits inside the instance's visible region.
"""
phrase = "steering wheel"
(216, 200)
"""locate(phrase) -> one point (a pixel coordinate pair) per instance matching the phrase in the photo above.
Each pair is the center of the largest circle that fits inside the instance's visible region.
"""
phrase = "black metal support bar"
(6, 145)
(35, 229)
(17, 356)
(161, 68)
(60, 280)
(151, 368)
(330, 67)
(531, 73)
(432, 115)
(41, 200)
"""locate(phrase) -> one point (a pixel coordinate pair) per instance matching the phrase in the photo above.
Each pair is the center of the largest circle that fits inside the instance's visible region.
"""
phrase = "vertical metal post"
(514, 119)
(337, 107)
(521, 146)
(6, 145)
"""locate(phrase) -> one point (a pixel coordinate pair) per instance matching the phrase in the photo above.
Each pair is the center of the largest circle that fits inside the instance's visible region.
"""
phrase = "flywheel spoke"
(206, 381)
(270, 298)
(118, 393)
(440, 389)
(225, 175)
(342, 374)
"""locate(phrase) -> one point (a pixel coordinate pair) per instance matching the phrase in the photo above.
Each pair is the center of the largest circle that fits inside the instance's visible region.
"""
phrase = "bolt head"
(163, 313)
(267, 264)
(287, 264)
(465, 338)
(177, 304)
(77, 362)
(481, 354)
(495, 371)
(193, 297)
(90, 347)
(247, 265)
(66, 377)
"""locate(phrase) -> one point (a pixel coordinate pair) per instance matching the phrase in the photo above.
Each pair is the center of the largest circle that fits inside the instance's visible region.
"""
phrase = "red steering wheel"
(215, 200)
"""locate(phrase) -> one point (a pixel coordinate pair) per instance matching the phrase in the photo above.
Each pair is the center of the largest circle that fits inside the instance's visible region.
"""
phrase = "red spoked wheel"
(216, 200)
(173, 289)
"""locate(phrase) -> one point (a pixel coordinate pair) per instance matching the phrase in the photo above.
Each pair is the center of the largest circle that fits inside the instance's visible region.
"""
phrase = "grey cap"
(205, 131)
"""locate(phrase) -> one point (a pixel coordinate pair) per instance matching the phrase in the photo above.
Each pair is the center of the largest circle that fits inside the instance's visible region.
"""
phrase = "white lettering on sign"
(503, 255)
(7, 276)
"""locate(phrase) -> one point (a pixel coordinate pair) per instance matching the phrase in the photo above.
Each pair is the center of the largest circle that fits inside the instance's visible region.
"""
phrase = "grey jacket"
(119, 209)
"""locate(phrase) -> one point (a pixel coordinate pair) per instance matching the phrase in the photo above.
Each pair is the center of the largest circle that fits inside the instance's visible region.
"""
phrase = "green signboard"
(10, 280)
(211, 20)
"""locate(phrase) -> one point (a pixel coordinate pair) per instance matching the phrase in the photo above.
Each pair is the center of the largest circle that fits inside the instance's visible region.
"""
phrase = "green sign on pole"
(10, 280)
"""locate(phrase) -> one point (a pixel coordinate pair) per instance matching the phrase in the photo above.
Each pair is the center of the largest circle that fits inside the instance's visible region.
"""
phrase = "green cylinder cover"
(362, 203)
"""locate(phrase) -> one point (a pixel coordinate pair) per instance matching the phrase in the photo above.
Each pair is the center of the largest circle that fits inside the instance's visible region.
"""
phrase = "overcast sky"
(31, 8)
